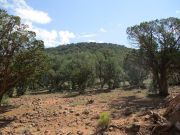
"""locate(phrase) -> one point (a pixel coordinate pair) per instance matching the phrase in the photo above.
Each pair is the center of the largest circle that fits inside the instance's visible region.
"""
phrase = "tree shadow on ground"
(42, 92)
(98, 91)
(87, 93)
(124, 106)
(71, 95)
(4, 121)
(129, 88)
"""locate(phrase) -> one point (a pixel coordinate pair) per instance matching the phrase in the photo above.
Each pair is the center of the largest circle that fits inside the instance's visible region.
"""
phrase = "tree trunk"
(2, 92)
(163, 83)
(1, 96)
(155, 81)
(102, 84)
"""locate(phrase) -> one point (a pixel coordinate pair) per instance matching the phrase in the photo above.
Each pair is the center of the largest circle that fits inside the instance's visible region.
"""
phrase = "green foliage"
(21, 54)
(104, 119)
(159, 41)
(4, 100)
(135, 69)
(83, 65)
(153, 87)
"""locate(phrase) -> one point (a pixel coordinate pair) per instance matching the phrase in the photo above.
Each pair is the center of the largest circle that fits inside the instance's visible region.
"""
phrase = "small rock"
(46, 132)
(70, 133)
(90, 101)
(79, 132)
(33, 124)
(60, 107)
(27, 132)
(77, 114)
(88, 123)
(48, 119)
(71, 111)
(86, 112)
(95, 117)
(65, 113)
(38, 129)
(177, 125)
(111, 129)
(105, 133)
(128, 111)
(147, 117)
(135, 120)
(134, 128)
(55, 114)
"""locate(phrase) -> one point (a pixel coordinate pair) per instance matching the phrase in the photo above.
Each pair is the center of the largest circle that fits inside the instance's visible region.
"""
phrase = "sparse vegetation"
(5, 100)
(104, 120)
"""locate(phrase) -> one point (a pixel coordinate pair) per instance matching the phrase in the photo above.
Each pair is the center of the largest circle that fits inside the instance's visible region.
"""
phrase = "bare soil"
(71, 114)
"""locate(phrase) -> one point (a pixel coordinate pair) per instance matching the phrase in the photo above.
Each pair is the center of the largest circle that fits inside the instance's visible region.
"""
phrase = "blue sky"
(70, 21)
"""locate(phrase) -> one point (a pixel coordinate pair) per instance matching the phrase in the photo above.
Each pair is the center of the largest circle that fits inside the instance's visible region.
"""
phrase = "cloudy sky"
(59, 22)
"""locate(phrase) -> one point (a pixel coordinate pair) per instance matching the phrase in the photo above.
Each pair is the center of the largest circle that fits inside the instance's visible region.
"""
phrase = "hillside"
(91, 47)
(83, 65)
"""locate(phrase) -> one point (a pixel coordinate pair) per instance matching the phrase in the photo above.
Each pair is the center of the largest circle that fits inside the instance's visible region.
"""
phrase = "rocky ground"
(132, 112)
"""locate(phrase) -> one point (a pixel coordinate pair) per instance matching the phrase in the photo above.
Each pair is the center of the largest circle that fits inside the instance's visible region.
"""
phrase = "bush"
(104, 119)
(5, 100)
(153, 87)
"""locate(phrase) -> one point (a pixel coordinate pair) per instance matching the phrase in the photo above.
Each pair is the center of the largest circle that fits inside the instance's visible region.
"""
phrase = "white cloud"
(65, 36)
(177, 11)
(102, 30)
(87, 35)
(92, 40)
(30, 16)
(50, 38)
(101, 42)
(33, 15)
(26, 12)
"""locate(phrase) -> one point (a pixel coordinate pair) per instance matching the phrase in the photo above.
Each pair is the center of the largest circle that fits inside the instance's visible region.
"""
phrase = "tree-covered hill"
(90, 47)
(82, 65)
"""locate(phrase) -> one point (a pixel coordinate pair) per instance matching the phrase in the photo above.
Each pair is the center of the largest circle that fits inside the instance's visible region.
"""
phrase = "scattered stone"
(88, 123)
(77, 114)
(65, 113)
(46, 132)
(135, 120)
(27, 132)
(85, 112)
(70, 133)
(33, 124)
(128, 111)
(47, 119)
(55, 113)
(79, 132)
(105, 133)
(111, 129)
(163, 128)
(60, 107)
(95, 117)
(177, 125)
(90, 101)
(71, 111)
(133, 128)
(147, 117)
(10, 118)
(38, 129)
